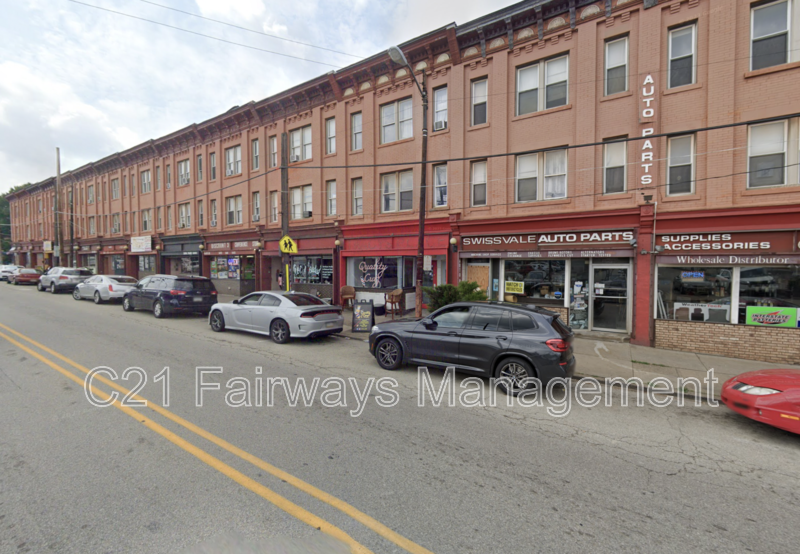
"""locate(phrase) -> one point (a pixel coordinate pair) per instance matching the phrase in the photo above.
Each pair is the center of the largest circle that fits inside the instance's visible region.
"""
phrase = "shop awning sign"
(288, 245)
(141, 244)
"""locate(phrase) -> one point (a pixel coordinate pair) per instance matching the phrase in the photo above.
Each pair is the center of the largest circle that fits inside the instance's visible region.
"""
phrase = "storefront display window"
(312, 270)
(764, 288)
(382, 272)
(225, 267)
(579, 294)
(540, 280)
(190, 265)
(695, 293)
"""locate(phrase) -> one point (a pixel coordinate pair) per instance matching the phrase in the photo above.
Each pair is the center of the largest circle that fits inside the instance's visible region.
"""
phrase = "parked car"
(25, 276)
(281, 315)
(771, 396)
(495, 339)
(170, 294)
(6, 270)
(102, 288)
(58, 279)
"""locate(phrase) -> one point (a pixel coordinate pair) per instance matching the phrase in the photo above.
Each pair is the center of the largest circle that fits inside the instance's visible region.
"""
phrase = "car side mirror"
(429, 323)
(138, 285)
(236, 301)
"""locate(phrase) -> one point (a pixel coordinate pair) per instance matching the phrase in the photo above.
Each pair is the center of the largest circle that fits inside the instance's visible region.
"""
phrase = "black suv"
(170, 294)
(495, 339)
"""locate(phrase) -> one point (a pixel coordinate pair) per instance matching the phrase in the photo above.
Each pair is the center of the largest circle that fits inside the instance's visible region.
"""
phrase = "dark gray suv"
(494, 339)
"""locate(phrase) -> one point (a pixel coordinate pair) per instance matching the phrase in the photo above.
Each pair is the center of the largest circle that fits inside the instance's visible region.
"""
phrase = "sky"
(92, 82)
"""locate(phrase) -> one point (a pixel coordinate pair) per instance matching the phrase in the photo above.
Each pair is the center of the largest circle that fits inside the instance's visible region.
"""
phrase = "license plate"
(329, 324)
(198, 298)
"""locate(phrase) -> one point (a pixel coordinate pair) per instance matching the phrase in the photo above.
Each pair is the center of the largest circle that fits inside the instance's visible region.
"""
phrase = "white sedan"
(281, 315)
(102, 288)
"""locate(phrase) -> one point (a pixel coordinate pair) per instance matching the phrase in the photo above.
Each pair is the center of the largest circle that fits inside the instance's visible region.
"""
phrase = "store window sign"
(372, 274)
(141, 244)
(515, 287)
(769, 316)
(693, 276)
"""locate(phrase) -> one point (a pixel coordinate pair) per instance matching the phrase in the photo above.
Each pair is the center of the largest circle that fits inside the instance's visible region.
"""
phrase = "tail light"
(322, 312)
(177, 292)
(558, 345)
(63, 278)
(213, 293)
(110, 288)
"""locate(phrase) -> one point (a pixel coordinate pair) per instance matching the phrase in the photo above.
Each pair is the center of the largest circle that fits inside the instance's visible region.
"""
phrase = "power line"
(201, 34)
(250, 30)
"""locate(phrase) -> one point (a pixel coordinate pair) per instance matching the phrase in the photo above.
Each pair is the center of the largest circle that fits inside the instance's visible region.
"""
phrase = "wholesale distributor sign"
(770, 316)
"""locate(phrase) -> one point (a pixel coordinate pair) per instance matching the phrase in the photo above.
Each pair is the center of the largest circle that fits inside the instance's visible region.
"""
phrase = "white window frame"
(115, 225)
(330, 135)
(144, 177)
(273, 206)
(788, 31)
(90, 194)
(330, 192)
(213, 213)
(396, 122)
(784, 151)
(693, 27)
(158, 177)
(541, 84)
(693, 165)
(114, 189)
(358, 195)
(233, 210)
(233, 160)
(147, 220)
(473, 183)
(184, 172)
(255, 154)
(542, 176)
(357, 132)
(438, 185)
(440, 114)
(624, 146)
(301, 201)
(300, 143)
(92, 228)
(625, 64)
(199, 167)
(169, 218)
(185, 215)
(398, 190)
(273, 151)
(212, 165)
(169, 178)
(473, 103)
(200, 213)
(256, 206)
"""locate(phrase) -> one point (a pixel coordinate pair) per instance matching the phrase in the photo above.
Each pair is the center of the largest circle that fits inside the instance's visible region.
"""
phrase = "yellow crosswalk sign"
(288, 246)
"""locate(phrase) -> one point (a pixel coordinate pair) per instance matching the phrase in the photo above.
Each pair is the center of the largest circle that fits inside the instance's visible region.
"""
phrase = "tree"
(442, 295)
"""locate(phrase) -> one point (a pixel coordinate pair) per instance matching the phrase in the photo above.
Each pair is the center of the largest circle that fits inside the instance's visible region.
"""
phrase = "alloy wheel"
(158, 310)
(76, 294)
(52, 288)
(516, 375)
(280, 332)
(217, 321)
(97, 299)
(388, 353)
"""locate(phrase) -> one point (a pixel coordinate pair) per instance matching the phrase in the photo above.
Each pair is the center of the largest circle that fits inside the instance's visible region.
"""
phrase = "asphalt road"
(85, 479)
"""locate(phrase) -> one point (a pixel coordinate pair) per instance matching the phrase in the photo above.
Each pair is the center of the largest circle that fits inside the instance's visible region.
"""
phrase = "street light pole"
(399, 58)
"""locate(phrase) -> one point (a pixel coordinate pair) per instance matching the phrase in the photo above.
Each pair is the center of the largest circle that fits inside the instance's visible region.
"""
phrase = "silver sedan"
(102, 288)
(281, 315)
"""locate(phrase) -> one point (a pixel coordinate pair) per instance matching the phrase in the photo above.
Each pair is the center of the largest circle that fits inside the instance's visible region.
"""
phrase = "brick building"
(685, 203)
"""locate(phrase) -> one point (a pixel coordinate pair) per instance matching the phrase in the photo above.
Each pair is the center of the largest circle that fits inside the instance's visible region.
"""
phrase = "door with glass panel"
(610, 292)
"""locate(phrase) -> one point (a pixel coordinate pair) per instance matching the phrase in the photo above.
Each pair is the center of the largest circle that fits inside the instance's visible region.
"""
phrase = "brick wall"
(768, 344)
(563, 313)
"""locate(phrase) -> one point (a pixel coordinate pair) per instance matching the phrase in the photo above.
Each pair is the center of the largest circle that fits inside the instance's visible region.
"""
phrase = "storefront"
(181, 255)
(113, 259)
(233, 265)
(89, 256)
(142, 257)
(312, 270)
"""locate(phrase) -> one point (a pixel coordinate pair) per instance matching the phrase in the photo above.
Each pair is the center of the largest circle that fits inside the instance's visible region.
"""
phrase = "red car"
(771, 396)
(24, 277)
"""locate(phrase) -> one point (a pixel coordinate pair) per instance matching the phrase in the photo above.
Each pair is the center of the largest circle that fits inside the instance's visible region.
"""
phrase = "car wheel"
(158, 309)
(513, 374)
(15, 283)
(217, 321)
(97, 298)
(39, 287)
(76, 294)
(126, 305)
(52, 288)
(279, 331)
(389, 354)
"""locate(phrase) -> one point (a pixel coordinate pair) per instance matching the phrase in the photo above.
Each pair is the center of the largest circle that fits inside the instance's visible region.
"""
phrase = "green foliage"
(442, 295)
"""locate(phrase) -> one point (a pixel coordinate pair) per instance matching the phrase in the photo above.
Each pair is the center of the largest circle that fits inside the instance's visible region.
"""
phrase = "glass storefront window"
(190, 265)
(316, 270)
(226, 267)
(695, 293)
(147, 263)
(777, 287)
(540, 280)
(579, 294)
(382, 272)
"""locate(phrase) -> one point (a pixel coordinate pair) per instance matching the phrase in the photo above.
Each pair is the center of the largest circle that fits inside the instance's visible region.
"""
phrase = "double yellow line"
(250, 484)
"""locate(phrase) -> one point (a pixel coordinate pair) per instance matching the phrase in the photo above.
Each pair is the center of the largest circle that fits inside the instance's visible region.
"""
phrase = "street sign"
(287, 245)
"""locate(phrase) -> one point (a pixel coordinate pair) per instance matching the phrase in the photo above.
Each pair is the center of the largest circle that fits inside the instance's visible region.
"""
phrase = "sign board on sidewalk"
(363, 316)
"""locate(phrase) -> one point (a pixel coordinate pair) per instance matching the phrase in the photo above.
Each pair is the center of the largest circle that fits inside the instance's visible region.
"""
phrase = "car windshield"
(124, 280)
(79, 272)
(29, 271)
(193, 284)
(304, 300)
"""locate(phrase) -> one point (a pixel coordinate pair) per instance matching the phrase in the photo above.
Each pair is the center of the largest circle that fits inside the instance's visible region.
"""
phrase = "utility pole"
(285, 260)
(57, 212)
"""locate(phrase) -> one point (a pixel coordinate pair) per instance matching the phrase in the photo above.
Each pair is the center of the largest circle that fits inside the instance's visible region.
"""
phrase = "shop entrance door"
(610, 292)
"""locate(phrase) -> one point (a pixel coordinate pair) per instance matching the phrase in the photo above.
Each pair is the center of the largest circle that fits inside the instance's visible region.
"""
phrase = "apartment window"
(159, 221)
(480, 91)
(256, 206)
(358, 196)
(145, 178)
(681, 167)
(199, 167)
(184, 215)
(478, 180)
(183, 173)
(90, 194)
(301, 202)
(158, 177)
(439, 186)
(555, 174)
(133, 221)
(213, 213)
(169, 177)
(233, 160)
(770, 35)
(169, 217)
(115, 223)
(91, 226)
(553, 165)
(396, 121)
(681, 56)
(614, 160)
(147, 220)
(133, 185)
(617, 66)
(234, 210)
(330, 193)
(397, 191)
(40, 205)
(200, 214)
(300, 140)
(273, 151)
(273, 206)
(766, 163)
(212, 165)
(527, 178)
(330, 136)
(355, 125)
(255, 152)
(440, 108)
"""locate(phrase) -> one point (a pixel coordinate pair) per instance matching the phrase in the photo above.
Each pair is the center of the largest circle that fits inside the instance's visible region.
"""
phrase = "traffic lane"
(82, 479)
(437, 472)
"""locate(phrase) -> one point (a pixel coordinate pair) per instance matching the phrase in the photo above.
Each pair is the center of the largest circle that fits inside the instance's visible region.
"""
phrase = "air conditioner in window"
(294, 158)
(115, 229)
(439, 125)
(213, 222)
(256, 217)
(307, 214)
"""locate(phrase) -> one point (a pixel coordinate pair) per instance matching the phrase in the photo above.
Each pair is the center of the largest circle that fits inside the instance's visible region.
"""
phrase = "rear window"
(560, 328)
(124, 280)
(79, 272)
(193, 284)
(29, 271)
(304, 300)
(522, 322)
